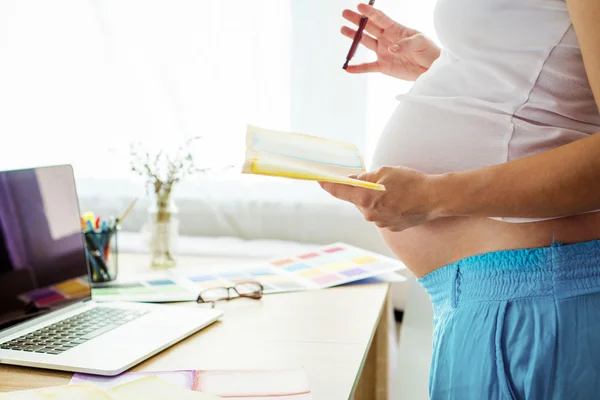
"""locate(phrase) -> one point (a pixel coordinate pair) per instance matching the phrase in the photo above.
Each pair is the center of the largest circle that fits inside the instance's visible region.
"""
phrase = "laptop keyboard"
(64, 335)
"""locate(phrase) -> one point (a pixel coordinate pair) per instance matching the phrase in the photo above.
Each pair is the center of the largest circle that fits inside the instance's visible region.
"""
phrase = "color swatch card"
(334, 265)
(324, 267)
(273, 280)
(161, 288)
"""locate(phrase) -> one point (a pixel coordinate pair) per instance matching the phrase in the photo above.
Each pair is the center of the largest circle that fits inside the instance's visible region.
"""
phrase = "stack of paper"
(298, 156)
(285, 384)
(147, 388)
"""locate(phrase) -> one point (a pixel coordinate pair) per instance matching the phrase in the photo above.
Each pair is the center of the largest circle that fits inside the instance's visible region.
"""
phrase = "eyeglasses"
(252, 290)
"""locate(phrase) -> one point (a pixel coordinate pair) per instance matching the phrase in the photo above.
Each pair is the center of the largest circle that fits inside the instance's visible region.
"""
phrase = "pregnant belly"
(435, 139)
(430, 246)
(443, 135)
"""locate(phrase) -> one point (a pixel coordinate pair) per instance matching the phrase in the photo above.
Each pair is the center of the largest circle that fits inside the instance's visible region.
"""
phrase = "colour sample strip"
(280, 263)
(365, 260)
(296, 267)
(334, 249)
(310, 272)
(308, 256)
(161, 282)
(338, 266)
(354, 272)
(325, 279)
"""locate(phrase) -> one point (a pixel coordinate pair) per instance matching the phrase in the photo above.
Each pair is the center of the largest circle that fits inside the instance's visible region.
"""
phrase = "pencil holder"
(102, 251)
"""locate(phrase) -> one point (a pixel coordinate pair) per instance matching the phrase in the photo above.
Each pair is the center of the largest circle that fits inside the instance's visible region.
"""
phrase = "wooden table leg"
(373, 382)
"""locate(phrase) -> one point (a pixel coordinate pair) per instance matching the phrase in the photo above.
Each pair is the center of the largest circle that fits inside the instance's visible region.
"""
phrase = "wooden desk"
(339, 335)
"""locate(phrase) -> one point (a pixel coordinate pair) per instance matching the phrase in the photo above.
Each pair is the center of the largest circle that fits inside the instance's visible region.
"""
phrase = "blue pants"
(517, 324)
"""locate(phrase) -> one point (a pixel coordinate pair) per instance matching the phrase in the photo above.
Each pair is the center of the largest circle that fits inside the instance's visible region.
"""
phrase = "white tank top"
(510, 82)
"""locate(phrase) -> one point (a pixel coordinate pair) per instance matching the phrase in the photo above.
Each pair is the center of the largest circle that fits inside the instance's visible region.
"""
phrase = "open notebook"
(299, 156)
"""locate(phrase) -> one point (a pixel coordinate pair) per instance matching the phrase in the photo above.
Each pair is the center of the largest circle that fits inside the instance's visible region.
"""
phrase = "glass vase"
(164, 232)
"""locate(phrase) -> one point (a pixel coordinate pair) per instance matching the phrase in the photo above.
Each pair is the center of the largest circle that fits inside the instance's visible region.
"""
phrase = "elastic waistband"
(560, 270)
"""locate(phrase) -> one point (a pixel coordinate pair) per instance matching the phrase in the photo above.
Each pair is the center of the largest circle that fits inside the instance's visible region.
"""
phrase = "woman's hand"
(409, 199)
(401, 52)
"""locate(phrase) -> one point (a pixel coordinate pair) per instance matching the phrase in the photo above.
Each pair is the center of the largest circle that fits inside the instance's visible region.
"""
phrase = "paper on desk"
(152, 288)
(323, 267)
(154, 388)
(289, 384)
(319, 268)
(147, 388)
(76, 392)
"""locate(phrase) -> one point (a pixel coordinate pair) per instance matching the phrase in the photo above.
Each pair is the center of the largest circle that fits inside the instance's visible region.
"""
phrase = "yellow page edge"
(347, 181)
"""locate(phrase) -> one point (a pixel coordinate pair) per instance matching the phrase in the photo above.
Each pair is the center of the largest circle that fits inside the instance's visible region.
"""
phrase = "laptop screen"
(43, 264)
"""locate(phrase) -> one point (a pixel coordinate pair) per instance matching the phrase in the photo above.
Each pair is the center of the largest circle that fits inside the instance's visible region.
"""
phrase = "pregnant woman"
(492, 169)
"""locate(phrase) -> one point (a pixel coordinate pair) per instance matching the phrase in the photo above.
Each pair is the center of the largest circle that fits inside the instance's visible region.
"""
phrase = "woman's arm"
(559, 182)
(555, 183)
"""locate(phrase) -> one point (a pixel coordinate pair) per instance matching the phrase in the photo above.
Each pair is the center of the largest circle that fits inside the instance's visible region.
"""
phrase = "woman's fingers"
(363, 68)
(355, 19)
(368, 41)
(376, 17)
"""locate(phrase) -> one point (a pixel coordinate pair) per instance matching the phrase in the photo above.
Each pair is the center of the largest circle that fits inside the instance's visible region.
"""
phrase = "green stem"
(163, 213)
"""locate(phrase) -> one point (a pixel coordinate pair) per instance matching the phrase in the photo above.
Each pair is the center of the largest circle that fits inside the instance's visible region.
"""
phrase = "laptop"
(48, 318)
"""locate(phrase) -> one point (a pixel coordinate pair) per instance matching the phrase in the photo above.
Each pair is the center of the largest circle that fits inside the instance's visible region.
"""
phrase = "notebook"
(299, 156)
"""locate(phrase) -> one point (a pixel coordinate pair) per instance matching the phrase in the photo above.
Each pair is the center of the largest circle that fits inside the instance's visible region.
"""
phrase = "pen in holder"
(102, 250)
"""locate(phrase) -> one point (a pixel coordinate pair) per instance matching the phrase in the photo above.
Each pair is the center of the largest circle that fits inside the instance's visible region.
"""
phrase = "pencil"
(127, 211)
